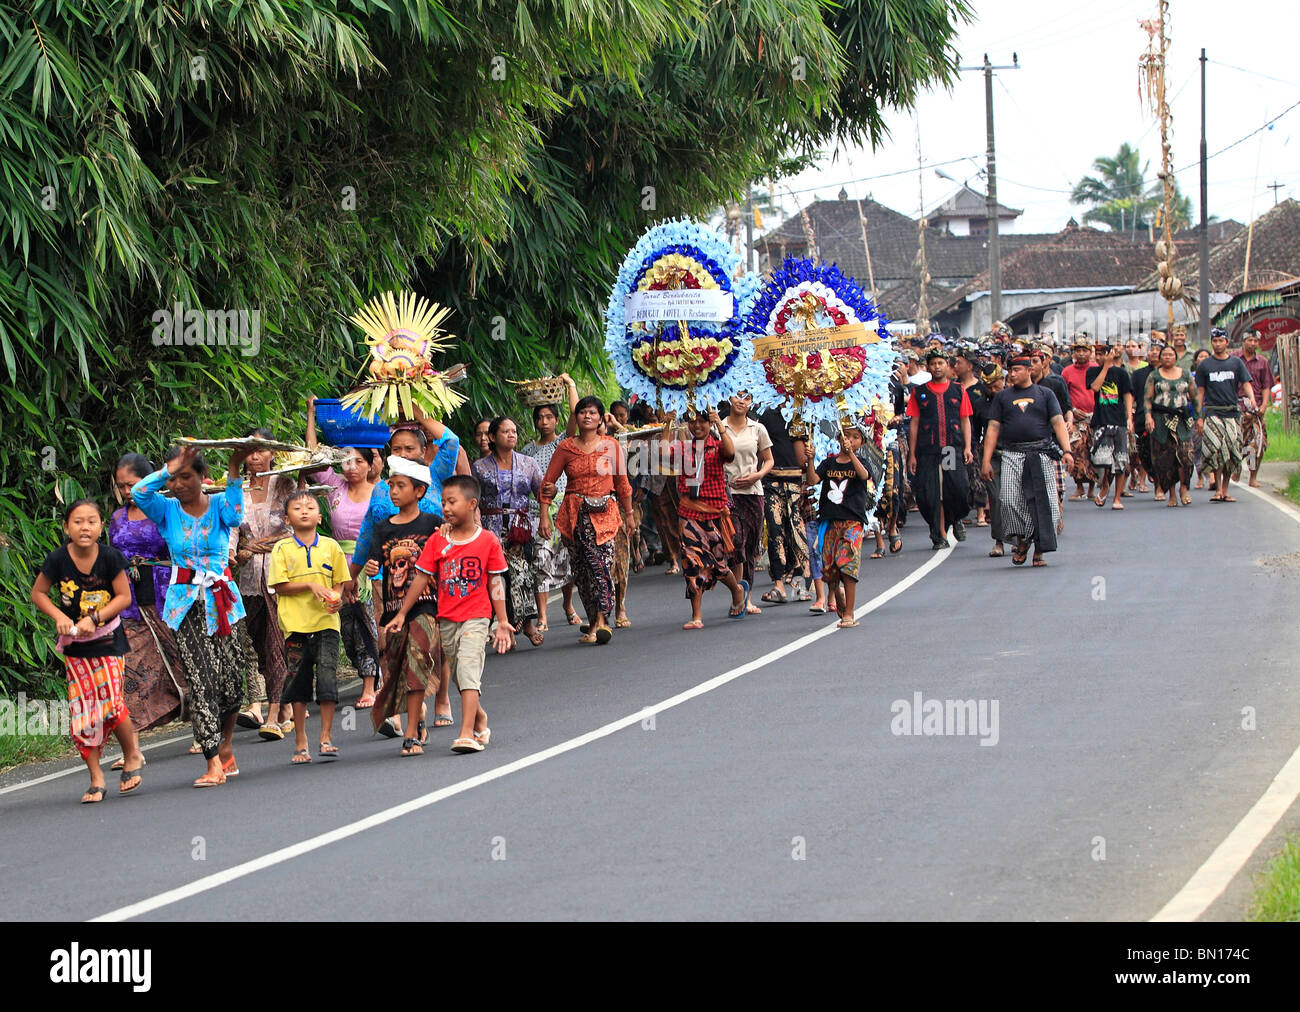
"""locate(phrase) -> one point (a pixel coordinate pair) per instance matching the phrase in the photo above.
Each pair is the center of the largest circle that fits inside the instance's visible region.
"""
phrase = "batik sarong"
(96, 703)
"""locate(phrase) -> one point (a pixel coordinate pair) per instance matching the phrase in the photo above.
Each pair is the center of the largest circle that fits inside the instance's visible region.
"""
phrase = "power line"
(883, 175)
(1254, 73)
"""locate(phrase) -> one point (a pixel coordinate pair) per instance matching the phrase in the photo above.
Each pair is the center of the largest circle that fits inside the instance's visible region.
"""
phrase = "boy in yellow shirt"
(305, 571)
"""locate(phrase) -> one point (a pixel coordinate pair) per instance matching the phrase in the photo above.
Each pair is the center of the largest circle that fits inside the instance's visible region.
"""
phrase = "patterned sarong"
(412, 662)
(96, 704)
(706, 556)
(1027, 498)
(1109, 450)
(1221, 443)
(1081, 467)
(1254, 437)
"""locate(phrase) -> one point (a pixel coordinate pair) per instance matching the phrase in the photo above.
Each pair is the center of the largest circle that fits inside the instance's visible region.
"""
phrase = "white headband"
(413, 470)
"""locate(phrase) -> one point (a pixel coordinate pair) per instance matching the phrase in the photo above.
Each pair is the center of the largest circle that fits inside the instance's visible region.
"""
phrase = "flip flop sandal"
(210, 780)
(365, 703)
(1019, 554)
(411, 747)
(543, 627)
(846, 623)
(744, 605)
(818, 609)
(572, 618)
(195, 749)
(388, 729)
(98, 796)
(270, 731)
(775, 596)
(996, 552)
(328, 750)
(424, 732)
(230, 769)
(604, 634)
(442, 720)
(1039, 562)
(484, 736)
(802, 595)
(895, 545)
(876, 555)
(693, 624)
(127, 775)
(623, 623)
(120, 764)
(463, 746)
(247, 718)
(297, 760)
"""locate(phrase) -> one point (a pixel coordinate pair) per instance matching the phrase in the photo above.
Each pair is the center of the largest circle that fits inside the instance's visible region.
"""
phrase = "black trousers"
(941, 482)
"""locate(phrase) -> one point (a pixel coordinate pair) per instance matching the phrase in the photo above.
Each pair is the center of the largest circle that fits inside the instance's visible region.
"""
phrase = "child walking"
(842, 510)
(467, 562)
(304, 572)
(409, 655)
(93, 588)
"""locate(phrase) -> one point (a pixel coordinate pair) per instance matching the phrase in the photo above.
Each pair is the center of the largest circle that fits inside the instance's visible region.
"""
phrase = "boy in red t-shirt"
(467, 562)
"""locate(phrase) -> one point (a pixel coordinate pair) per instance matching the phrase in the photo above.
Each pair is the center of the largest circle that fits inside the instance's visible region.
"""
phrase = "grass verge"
(1293, 487)
(1277, 892)
(31, 748)
(1282, 445)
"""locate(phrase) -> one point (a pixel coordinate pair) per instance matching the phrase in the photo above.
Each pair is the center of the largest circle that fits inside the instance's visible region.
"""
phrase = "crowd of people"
(233, 602)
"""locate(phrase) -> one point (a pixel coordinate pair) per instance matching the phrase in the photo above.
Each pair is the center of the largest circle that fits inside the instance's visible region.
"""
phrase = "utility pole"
(995, 260)
(1274, 187)
(1203, 282)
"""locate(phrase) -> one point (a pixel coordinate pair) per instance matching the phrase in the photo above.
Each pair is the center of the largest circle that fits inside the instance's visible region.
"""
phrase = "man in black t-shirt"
(787, 540)
(1024, 418)
(1112, 421)
(1222, 378)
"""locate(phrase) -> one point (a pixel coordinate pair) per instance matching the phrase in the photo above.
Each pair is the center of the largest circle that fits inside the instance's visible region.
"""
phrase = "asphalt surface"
(1120, 673)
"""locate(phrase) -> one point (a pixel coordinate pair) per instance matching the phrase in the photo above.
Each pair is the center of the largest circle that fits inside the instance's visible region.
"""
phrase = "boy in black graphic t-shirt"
(845, 483)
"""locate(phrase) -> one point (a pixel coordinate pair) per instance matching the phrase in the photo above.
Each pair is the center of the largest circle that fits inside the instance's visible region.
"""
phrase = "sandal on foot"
(328, 750)
(270, 731)
(463, 746)
(996, 552)
(247, 718)
(423, 730)
(1039, 562)
(128, 775)
(818, 609)
(210, 780)
(744, 605)
(846, 623)
(195, 748)
(484, 736)
(93, 796)
(895, 545)
(365, 702)
(587, 640)
(301, 757)
(543, 627)
(120, 764)
(604, 634)
(411, 746)
(1019, 554)
(694, 623)
(230, 768)
(442, 720)
(623, 623)
(802, 594)
(389, 728)
(775, 596)
(877, 554)
(572, 617)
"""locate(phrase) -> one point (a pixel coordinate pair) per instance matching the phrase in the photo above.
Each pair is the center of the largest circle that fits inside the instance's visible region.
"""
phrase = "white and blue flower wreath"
(841, 292)
(713, 263)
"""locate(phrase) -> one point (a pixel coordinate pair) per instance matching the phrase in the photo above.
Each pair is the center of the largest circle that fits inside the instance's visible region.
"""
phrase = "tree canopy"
(294, 158)
(1120, 197)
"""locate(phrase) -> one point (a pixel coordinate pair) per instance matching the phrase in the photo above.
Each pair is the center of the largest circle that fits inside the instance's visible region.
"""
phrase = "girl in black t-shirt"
(90, 581)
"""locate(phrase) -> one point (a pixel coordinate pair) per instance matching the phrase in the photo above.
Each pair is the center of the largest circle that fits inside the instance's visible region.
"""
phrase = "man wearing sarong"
(1027, 428)
(938, 449)
(1082, 399)
(1221, 380)
(1254, 433)
(1112, 422)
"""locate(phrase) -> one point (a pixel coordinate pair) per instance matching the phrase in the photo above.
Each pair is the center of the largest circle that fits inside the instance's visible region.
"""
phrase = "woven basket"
(541, 391)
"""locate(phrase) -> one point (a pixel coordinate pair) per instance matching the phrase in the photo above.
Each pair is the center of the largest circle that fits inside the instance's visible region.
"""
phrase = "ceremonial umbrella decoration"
(674, 329)
(823, 351)
(403, 330)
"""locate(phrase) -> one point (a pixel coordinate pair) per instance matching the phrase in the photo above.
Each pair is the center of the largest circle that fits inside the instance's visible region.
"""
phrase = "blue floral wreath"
(709, 253)
(795, 275)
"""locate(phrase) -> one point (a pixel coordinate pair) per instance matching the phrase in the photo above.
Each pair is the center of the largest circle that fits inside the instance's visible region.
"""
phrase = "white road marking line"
(239, 871)
(1218, 871)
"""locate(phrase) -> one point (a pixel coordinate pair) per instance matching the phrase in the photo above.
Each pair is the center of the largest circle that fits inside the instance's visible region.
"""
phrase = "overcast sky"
(1075, 98)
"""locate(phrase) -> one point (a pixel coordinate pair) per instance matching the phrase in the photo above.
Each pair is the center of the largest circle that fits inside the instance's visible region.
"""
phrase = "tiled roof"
(968, 203)
(1274, 254)
(893, 241)
(1075, 258)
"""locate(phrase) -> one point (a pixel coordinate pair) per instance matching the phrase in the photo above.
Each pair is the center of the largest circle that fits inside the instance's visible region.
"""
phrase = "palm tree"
(1119, 196)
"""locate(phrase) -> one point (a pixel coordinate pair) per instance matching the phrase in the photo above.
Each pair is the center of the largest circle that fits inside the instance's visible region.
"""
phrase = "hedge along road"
(683, 785)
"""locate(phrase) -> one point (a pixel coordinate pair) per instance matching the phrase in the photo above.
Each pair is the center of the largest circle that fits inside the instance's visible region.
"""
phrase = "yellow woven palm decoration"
(402, 330)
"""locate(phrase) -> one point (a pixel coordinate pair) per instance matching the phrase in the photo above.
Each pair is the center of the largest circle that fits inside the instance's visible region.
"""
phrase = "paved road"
(1120, 674)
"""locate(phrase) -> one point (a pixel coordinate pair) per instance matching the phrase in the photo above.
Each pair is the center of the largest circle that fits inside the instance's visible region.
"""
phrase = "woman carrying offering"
(263, 525)
(93, 589)
(751, 462)
(349, 498)
(1169, 393)
(551, 561)
(203, 606)
(508, 481)
(597, 475)
(153, 683)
